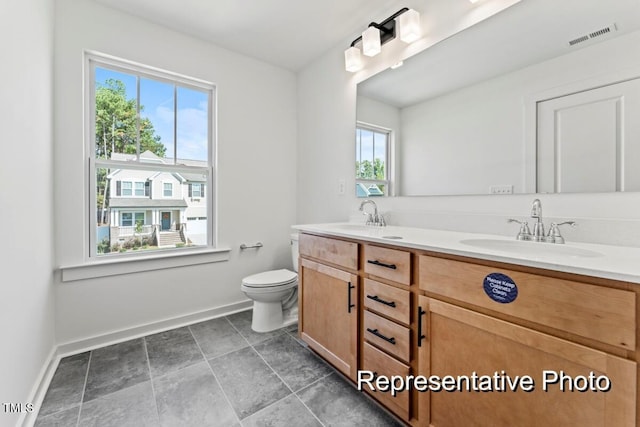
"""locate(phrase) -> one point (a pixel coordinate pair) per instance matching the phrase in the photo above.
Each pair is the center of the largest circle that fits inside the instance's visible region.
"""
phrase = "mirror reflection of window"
(372, 161)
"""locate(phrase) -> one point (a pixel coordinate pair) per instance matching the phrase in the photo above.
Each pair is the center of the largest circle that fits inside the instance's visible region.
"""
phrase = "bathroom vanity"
(501, 332)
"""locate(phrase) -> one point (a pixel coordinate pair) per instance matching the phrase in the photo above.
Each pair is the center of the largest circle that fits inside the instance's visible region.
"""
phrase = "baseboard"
(39, 390)
(87, 344)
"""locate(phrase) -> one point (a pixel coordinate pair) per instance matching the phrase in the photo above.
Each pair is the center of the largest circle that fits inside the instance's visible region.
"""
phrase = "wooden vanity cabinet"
(328, 300)
(569, 378)
(399, 311)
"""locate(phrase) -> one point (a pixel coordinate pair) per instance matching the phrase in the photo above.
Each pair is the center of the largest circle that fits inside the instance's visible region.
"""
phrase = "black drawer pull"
(376, 298)
(421, 336)
(379, 335)
(382, 264)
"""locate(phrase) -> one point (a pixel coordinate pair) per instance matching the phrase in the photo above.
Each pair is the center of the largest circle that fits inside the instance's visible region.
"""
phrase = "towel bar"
(257, 245)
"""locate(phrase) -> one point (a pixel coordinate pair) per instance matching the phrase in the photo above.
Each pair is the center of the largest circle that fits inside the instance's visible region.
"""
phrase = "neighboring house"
(169, 208)
(363, 190)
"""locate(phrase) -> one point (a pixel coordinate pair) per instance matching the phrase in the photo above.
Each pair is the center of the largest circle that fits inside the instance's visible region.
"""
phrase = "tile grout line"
(304, 404)
(224, 393)
(309, 409)
(293, 393)
(238, 331)
(153, 389)
(269, 366)
(84, 387)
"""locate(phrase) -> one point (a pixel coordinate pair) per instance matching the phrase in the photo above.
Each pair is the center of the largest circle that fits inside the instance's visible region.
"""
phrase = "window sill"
(114, 267)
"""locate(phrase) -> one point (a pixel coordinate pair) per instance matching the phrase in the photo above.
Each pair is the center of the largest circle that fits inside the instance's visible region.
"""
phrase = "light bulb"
(371, 41)
(352, 59)
(409, 26)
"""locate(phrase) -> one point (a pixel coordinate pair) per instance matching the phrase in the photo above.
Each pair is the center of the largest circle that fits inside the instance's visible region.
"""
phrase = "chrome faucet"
(538, 226)
(374, 218)
(553, 236)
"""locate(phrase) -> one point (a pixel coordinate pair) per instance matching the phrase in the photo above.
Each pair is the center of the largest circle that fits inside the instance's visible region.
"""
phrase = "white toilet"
(274, 294)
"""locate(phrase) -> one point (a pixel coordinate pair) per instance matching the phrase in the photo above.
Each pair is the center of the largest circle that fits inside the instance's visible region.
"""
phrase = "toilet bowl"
(274, 294)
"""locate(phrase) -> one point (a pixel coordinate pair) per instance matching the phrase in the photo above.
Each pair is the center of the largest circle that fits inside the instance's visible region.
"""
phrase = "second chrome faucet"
(538, 234)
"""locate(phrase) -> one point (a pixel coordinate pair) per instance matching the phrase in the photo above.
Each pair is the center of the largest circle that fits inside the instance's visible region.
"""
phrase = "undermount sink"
(530, 248)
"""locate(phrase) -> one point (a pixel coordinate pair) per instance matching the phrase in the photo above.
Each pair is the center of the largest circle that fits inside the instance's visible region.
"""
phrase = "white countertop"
(611, 262)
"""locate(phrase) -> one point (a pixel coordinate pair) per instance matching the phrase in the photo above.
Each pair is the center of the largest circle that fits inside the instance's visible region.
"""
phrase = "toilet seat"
(268, 280)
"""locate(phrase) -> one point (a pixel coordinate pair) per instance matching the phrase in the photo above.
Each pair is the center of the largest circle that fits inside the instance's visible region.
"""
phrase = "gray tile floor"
(215, 373)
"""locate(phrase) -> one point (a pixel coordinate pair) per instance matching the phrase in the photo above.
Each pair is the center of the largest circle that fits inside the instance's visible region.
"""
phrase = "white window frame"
(133, 218)
(389, 170)
(135, 189)
(122, 189)
(164, 189)
(92, 60)
(193, 192)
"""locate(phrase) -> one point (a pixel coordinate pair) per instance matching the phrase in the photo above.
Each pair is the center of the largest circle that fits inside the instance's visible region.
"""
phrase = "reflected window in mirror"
(372, 161)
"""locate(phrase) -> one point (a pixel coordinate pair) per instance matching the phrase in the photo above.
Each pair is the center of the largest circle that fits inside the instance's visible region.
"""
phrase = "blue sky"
(158, 106)
(368, 140)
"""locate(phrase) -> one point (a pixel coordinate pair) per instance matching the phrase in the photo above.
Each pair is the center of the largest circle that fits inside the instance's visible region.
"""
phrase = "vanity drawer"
(387, 335)
(387, 263)
(382, 364)
(604, 314)
(338, 252)
(387, 300)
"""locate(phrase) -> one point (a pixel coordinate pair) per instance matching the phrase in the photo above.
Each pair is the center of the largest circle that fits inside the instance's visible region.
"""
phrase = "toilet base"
(269, 316)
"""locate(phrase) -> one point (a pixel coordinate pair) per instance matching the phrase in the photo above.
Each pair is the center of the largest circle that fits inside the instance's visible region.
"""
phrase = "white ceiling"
(292, 33)
(286, 33)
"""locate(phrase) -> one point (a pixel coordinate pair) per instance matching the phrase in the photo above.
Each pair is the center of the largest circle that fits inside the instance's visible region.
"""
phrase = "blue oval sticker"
(500, 288)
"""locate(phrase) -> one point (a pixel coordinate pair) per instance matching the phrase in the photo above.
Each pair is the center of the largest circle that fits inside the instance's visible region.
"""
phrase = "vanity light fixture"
(353, 59)
(372, 39)
(409, 26)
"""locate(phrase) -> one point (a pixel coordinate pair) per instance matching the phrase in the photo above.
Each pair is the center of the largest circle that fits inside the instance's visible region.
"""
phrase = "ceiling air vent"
(599, 33)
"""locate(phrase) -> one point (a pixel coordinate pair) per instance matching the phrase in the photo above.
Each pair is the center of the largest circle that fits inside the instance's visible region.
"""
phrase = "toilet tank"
(294, 251)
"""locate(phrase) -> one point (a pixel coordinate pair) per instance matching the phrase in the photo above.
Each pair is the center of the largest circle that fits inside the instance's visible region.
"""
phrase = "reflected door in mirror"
(590, 141)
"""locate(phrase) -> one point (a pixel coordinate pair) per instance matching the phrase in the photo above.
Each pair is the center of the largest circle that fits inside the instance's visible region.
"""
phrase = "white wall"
(26, 256)
(256, 176)
(327, 115)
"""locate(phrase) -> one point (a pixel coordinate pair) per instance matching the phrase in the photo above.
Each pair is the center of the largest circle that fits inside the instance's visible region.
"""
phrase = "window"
(167, 189)
(145, 127)
(126, 188)
(372, 161)
(129, 219)
(139, 189)
(196, 190)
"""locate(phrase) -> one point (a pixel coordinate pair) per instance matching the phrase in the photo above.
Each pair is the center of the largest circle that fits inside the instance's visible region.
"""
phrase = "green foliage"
(117, 123)
(368, 170)
(104, 246)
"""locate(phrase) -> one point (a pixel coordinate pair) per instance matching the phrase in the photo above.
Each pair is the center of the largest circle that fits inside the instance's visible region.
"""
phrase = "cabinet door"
(328, 302)
(423, 356)
(462, 342)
